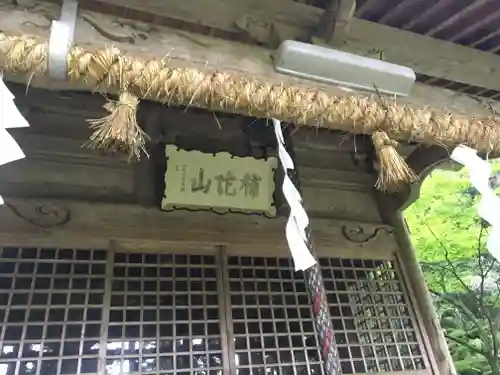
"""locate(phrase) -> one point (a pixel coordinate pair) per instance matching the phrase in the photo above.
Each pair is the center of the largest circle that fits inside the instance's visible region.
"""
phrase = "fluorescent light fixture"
(332, 66)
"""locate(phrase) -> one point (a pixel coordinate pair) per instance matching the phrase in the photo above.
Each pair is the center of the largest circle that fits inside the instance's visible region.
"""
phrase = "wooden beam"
(34, 222)
(219, 15)
(200, 52)
(335, 20)
(367, 5)
(343, 22)
(435, 58)
(57, 167)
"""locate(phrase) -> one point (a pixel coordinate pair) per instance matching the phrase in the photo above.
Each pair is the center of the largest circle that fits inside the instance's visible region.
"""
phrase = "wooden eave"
(194, 50)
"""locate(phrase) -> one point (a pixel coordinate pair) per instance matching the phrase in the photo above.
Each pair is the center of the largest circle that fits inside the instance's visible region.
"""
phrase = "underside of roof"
(471, 23)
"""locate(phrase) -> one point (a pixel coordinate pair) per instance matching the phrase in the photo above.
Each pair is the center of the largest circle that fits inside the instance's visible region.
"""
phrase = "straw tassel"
(394, 172)
(119, 131)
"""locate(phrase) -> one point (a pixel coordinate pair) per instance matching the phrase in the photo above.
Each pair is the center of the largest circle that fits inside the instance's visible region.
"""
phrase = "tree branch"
(443, 247)
(466, 345)
(473, 319)
(484, 274)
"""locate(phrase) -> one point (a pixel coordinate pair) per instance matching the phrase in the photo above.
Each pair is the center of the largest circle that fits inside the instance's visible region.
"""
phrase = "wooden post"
(428, 316)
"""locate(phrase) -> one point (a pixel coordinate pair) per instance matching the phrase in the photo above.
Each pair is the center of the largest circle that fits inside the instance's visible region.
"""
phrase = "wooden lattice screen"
(69, 311)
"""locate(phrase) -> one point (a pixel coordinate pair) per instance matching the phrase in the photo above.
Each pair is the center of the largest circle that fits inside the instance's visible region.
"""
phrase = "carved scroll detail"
(44, 216)
(355, 232)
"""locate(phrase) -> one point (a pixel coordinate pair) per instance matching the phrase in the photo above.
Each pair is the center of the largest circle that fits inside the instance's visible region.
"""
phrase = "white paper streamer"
(298, 221)
(302, 257)
(4, 91)
(489, 207)
(286, 159)
(9, 149)
(10, 117)
(298, 213)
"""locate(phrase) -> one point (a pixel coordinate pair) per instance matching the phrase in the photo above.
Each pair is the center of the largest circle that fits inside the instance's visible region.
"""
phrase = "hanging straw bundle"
(394, 172)
(119, 130)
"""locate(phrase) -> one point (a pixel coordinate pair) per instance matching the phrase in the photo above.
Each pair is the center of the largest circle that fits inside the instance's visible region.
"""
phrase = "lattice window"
(164, 315)
(70, 311)
(370, 312)
(53, 312)
(157, 314)
(272, 319)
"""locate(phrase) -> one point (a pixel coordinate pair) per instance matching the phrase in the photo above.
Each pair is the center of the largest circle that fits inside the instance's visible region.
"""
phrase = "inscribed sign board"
(219, 182)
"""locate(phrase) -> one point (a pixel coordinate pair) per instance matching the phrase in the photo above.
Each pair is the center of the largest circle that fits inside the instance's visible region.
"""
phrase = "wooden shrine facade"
(186, 292)
(96, 279)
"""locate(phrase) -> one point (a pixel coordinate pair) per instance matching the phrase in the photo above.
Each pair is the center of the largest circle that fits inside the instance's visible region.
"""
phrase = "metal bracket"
(62, 34)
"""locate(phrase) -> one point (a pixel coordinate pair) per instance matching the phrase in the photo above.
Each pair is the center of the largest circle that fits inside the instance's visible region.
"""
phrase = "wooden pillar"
(431, 328)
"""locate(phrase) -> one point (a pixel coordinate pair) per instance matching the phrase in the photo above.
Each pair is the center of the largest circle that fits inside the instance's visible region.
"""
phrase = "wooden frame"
(39, 222)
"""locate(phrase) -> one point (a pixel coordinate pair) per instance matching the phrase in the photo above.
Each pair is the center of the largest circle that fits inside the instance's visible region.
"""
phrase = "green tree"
(446, 207)
(470, 313)
(448, 237)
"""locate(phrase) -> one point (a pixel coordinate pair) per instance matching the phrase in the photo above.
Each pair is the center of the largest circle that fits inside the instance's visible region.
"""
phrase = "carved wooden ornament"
(219, 182)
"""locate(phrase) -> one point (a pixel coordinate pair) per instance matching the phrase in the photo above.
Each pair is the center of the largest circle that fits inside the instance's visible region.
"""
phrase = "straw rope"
(109, 68)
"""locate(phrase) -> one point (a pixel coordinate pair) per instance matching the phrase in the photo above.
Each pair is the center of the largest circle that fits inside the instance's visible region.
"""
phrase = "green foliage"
(444, 215)
(448, 237)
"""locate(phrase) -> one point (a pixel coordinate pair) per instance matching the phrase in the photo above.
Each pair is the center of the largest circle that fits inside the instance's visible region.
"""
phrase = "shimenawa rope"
(109, 68)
